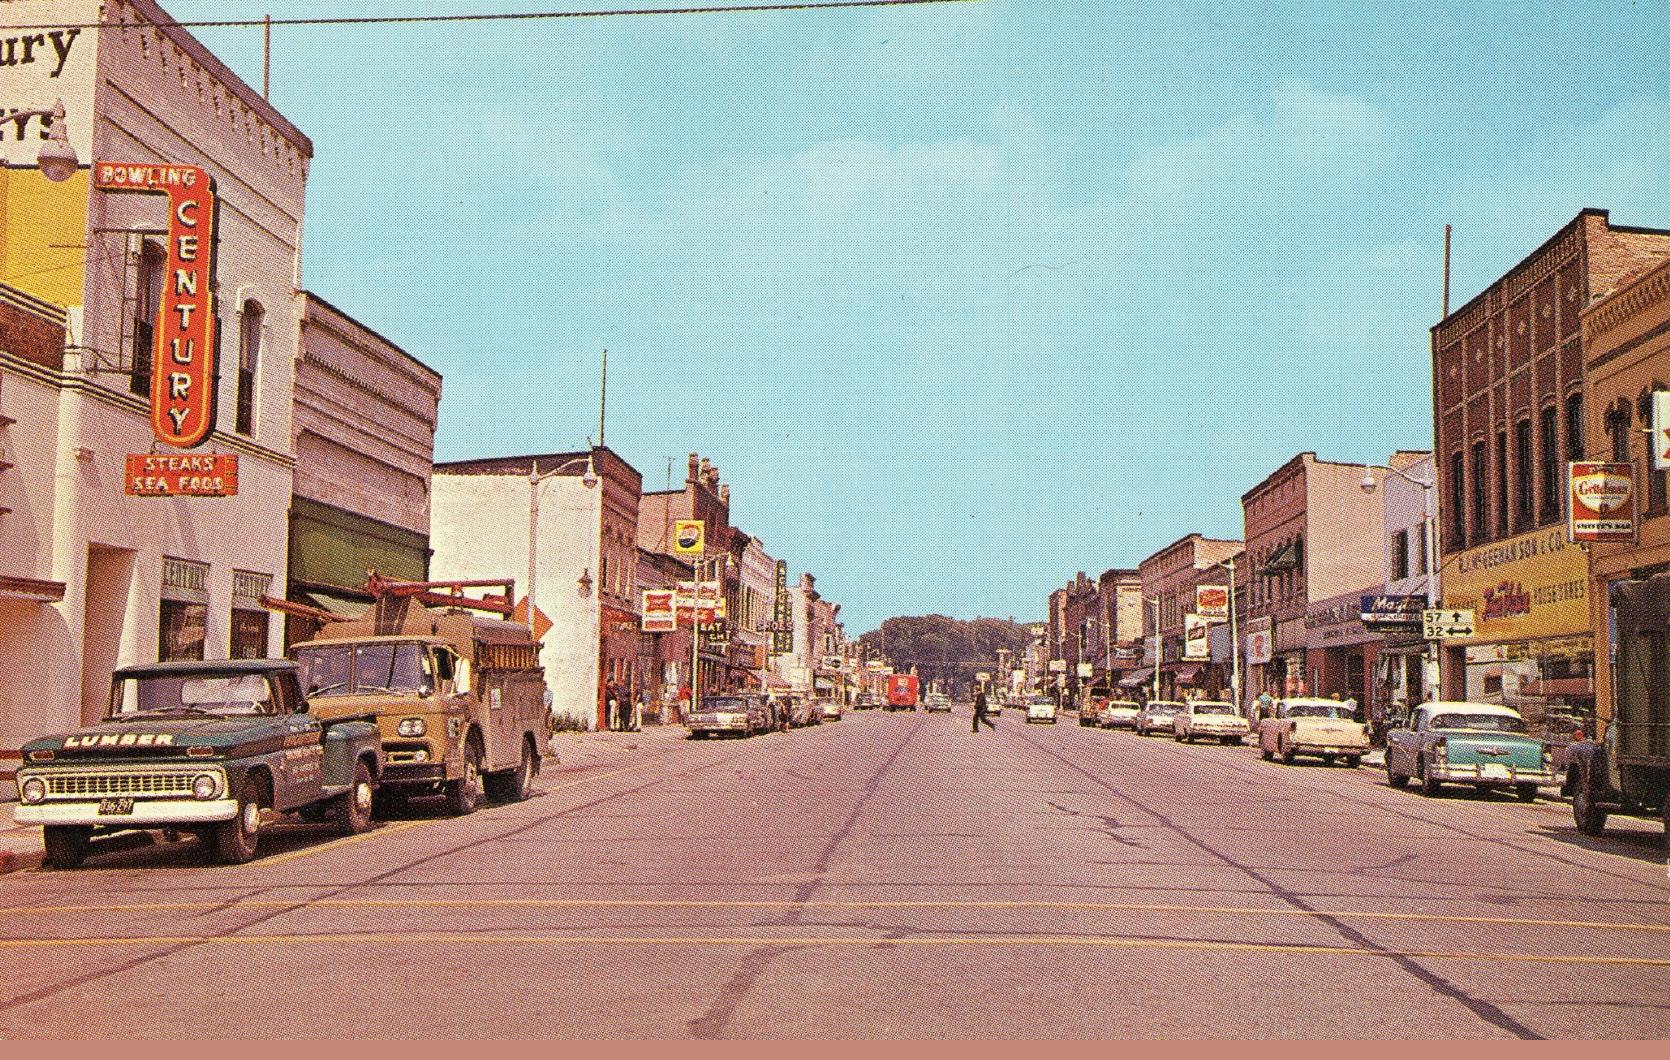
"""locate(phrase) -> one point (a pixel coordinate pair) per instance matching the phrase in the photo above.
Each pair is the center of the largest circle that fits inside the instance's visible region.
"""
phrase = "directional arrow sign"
(1437, 624)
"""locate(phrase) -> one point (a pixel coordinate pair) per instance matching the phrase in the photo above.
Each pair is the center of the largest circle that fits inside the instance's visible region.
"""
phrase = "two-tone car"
(936, 702)
(1479, 744)
(1207, 719)
(1156, 716)
(727, 716)
(1320, 728)
(1119, 714)
(830, 710)
(214, 749)
(1040, 709)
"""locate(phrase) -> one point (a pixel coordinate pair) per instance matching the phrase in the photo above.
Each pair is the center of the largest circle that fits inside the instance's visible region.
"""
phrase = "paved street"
(881, 876)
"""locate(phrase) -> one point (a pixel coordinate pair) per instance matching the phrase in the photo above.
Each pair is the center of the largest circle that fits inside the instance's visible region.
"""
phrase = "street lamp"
(1429, 539)
(56, 157)
(1234, 637)
(535, 478)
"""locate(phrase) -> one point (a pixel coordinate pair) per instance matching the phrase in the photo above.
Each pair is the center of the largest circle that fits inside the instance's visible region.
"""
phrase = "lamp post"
(1429, 539)
(1234, 637)
(56, 157)
(1155, 600)
(535, 478)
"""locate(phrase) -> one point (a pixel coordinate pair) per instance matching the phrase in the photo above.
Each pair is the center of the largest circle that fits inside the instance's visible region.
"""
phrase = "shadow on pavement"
(1644, 844)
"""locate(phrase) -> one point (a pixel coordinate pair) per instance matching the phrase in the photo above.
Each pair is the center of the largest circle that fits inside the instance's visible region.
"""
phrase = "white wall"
(479, 529)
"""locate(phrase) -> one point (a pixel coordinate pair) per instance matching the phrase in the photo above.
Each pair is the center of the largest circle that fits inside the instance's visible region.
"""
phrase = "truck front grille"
(98, 785)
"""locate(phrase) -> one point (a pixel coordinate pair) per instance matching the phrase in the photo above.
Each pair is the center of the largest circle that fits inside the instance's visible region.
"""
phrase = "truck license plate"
(1495, 772)
(116, 807)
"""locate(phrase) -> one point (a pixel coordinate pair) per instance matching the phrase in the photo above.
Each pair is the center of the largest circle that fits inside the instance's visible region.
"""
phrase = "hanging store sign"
(1260, 642)
(181, 475)
(782, 636)
(183, 372)
(1197, 643)
(1602, 501)
(1392, 611)
(658, 614)
(689, 537)
(1212, 602)
(1661, 430)
(1058, 666)
(706, 600)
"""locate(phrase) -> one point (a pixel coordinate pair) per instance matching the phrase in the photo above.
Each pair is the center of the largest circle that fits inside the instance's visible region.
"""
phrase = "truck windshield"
(361, 669)
(192, 694)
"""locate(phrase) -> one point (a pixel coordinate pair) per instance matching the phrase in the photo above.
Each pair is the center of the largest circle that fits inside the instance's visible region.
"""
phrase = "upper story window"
(1480, 504)
(1400, 555)
(146, 303)
(1458, 501)
(1550, 440)
(1574, 427)
(252, 323)
(1524, 506)
(1501, 483)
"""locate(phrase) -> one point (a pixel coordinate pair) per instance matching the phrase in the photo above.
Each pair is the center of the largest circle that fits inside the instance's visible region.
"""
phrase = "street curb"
(11, 861)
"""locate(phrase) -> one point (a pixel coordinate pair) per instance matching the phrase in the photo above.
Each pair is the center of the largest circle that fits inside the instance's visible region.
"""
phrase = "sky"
(961, 299)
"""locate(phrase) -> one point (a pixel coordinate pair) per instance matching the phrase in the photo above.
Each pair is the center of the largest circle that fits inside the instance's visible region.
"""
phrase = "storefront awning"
(1135, 678)
(1285, 559)
(1187, 674)
(337, 604)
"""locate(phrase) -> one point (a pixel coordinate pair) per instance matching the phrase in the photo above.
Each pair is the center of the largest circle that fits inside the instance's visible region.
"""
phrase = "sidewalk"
(576, 752)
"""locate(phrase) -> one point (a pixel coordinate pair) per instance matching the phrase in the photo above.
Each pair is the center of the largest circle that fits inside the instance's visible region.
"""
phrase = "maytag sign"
(1392, 611)
(1601, 502)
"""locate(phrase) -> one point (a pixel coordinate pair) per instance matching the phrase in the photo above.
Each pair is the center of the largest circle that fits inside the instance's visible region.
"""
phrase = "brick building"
(1626, 340)
(1170, 576)
(1508, 377)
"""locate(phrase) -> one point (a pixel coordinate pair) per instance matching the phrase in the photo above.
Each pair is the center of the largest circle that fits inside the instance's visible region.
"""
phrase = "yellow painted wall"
(42, 228)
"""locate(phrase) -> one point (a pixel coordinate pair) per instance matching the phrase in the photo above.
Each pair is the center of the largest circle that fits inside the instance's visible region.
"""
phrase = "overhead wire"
(376, 20)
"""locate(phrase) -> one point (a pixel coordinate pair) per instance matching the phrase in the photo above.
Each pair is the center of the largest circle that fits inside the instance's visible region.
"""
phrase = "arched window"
(146, 303)
(252, 322)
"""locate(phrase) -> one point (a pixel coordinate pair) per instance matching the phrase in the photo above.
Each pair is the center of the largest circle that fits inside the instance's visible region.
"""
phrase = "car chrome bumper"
(1331, 748)
(147, 813)
(413, 772)
(718, 726)
(1471, 774)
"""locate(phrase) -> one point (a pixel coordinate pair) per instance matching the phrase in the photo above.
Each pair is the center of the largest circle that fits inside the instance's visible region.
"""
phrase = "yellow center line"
(1069, 941)
(949, 905)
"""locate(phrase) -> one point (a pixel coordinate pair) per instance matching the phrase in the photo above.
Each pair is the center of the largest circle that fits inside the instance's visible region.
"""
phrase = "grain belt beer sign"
(1212, 602)
(1601, 502)
(1197, 642)
(658, 613)
(182, 475)
(183, 374)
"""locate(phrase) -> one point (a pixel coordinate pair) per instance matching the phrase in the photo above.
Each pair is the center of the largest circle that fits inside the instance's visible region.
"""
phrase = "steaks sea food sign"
(183, 372)
(181, 475)
(1602, 502)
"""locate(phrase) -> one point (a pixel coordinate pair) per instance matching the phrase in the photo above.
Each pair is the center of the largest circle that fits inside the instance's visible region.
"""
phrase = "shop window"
(1400, 555)
(1458, 502)
(1524, 506)
(183, 618)
(1550, 465)
(1501, 483)
(250, 621)
(1479, 493)
(252, 323)
(147, 302)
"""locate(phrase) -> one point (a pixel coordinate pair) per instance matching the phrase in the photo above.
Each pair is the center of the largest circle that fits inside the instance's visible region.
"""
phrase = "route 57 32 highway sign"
(1436, 624)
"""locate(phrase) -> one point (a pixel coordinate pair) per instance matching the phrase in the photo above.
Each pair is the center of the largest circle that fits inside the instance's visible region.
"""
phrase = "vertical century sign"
(183, 375)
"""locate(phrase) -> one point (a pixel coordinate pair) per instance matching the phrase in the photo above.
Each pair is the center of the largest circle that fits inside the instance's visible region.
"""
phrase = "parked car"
(936, 701)
(1323, 728)
(1207, 719)
(1120, 714)
(199, 747)
(1468, 743)
(831, 710)
(1156, 715)
(1090, 713)
(866, 701)
(1040, 709)
(803, 711)
(728, 715)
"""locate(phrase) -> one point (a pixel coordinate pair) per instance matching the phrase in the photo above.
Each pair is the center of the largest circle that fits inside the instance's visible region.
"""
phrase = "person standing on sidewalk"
(980, 712)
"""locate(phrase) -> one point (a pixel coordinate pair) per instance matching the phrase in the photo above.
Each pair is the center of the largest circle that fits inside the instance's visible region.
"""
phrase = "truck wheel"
(1525, 792)
(513, 785)
(463, 795)
(1285, 751)
(1352, 761)
(1430, 785)
(351, 810)
(1265, 753)
(1591, 819)
(66, 845)
(1393, 777)
(236, 840)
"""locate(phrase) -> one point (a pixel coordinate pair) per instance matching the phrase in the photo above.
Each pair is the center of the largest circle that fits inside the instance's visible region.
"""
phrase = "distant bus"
(903, 690)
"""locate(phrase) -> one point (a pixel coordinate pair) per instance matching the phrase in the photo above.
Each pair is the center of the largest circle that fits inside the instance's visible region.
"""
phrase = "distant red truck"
(903, 691)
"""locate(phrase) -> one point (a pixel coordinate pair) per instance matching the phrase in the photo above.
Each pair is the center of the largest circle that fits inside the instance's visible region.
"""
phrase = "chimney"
(702, 475)
(691, 477)
(713, 476)
(725, 495)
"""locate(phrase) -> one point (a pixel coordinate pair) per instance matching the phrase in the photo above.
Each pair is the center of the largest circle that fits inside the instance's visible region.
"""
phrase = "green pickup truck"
(200, 747)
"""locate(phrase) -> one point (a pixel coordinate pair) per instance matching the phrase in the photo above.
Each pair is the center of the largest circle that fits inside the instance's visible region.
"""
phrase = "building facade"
(100, 578)
(568, 522)
(1626, 339)
(1169, 578)
(1508, 377)
(1407, 673)
(364, 439)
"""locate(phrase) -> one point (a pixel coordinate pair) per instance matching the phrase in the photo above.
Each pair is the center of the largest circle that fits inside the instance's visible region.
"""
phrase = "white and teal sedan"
(1480, 744)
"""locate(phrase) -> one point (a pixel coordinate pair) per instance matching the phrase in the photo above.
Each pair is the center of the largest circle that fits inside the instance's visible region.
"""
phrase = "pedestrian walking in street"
(980, 712)
(611, 710)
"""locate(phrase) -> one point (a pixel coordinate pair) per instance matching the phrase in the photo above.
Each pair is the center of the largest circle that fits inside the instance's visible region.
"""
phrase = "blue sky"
(961, 299)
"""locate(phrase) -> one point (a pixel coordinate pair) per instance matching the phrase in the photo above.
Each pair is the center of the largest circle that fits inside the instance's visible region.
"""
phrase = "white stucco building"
(1404, 668)
(581, 520)
(91, 578)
